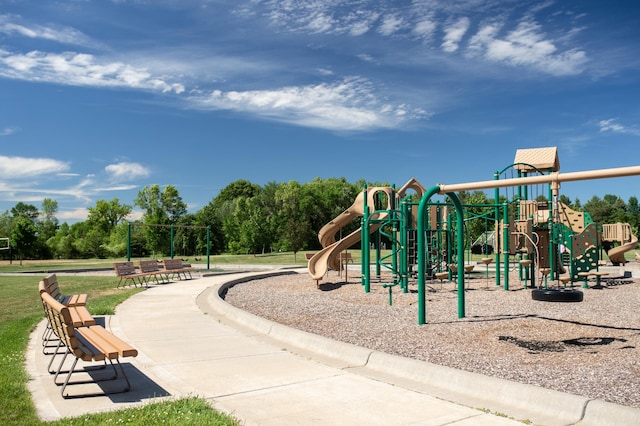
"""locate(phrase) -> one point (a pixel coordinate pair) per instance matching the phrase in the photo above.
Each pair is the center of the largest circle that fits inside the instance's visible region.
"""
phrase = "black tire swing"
(557, 295)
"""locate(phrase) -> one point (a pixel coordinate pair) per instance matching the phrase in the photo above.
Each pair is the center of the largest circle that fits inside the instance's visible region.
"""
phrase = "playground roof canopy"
(543, 159)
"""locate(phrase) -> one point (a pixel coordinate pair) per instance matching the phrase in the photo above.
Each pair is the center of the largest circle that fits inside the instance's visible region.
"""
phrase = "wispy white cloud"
(425, 28)
(453, 34)
(12, 26)
(526, 45)
(80, 214)
(612, 125)
(8, 131)
(125, 171)
(347, 105)
(30, 180)
(115, 188)
(365, 57)
(80, 69)
(359, 22)
(391, 24)
(22, 167)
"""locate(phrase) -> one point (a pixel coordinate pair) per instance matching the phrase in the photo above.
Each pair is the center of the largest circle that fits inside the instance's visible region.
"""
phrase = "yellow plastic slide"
(329, 256)
(616, 254)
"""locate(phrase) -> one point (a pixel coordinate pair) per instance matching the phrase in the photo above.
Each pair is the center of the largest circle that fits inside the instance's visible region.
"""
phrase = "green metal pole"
(405, 208)
(460, 235)
(505, 239)
(551, 206)
(364, 229)
(450, 243)
(496, 239)
(422, 210)
(378, 254)
(208, 245)
(129, 242)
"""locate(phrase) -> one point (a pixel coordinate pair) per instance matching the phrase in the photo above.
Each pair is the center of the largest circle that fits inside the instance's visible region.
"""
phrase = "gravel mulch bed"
(590, 348)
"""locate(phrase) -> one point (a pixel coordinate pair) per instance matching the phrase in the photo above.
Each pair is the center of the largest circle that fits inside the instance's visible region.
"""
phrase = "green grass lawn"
(21, 311)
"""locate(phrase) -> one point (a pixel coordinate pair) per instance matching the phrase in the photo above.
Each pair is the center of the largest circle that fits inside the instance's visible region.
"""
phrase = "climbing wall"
(573, 219)
(585, 249)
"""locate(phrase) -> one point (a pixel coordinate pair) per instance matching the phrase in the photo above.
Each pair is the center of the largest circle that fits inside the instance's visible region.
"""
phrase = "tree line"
(244, 218)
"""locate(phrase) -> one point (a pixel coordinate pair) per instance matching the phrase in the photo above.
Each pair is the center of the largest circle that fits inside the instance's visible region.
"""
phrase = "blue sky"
(101, 98)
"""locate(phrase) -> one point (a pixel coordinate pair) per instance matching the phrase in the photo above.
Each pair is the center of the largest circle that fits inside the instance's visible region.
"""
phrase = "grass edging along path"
(21, 311)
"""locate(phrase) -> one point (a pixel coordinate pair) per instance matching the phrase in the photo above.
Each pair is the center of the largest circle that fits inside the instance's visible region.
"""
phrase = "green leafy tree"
(222, 216)
(160, 208)
(62, 243)
(254, 231)
(108, 214)
(23, 237)
(48, 224)
(633, 209)
(601, 209)
(47, 227)
(322, 200)
(27, 211)
(237, 189)
(207, 216)
(295, 225)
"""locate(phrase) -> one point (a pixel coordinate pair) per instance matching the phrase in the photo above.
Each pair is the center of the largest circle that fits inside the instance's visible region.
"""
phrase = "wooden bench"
(87, 343)
(152, 270)
(80, 316)
(346, 257)
(127, 273)
(175, 267)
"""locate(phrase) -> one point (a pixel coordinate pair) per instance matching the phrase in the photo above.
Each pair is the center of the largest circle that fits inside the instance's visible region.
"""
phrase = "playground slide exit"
(329, 256)
(616, 254)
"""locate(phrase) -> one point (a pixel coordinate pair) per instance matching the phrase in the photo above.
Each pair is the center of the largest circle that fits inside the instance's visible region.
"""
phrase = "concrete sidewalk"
(191, 343)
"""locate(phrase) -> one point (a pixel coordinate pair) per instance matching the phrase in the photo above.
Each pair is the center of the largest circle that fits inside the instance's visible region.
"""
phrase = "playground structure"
(329, 256)
(544, 239)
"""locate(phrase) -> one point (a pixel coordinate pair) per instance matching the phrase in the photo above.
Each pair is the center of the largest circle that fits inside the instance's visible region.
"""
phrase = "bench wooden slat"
(84, 316)
(108, 341)
(77, 300)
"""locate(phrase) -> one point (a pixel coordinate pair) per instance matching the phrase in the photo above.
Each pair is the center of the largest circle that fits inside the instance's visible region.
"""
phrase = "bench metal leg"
(67, 382)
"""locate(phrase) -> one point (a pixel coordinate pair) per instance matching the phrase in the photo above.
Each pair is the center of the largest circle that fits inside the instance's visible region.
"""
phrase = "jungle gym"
(553, 247)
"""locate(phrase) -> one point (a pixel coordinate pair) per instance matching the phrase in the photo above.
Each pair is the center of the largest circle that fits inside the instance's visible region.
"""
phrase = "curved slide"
(329, 256)
(616, 254)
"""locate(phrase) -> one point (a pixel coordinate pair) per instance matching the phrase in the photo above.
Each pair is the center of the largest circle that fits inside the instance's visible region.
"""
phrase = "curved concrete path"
(191, 343)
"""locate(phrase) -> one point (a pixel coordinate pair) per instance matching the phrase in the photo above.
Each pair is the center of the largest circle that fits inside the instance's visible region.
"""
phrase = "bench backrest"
(172, 264)
(147, 266)
(52, 287)
(125, 268)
